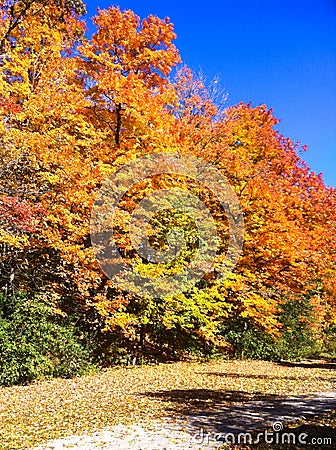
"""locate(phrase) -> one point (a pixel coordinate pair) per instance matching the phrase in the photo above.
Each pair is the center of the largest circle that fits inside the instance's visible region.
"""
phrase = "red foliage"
(22, 214)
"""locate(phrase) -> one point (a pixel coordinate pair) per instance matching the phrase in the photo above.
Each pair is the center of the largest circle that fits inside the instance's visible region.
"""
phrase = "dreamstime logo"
(119, 230)
(276, 436)
(277, 426)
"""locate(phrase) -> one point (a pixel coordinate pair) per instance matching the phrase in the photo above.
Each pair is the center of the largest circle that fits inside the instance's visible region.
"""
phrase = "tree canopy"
(74, 109)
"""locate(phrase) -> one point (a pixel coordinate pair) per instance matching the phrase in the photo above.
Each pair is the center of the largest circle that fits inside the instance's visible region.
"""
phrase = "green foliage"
(329, 342)
(35, 344)
(297, 338)
(247, 341)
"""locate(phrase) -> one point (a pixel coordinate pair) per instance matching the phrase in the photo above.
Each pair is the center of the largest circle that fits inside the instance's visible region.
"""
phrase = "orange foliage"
(74, 109)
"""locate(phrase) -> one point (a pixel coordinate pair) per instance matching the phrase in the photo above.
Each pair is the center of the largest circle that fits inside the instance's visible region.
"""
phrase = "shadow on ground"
(259, 377)
(228, 411)
(211, 412)
(309, 364)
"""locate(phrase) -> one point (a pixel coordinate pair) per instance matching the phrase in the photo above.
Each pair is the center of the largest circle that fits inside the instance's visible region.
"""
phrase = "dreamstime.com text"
(276, 436)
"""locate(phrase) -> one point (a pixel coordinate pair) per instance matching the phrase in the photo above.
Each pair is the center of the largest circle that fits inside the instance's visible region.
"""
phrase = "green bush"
(329, 342)
(248, 342)
(35, 343)
(296, 340)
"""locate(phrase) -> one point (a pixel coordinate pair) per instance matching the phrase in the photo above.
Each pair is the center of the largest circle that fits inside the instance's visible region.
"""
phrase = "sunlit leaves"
(75, 109)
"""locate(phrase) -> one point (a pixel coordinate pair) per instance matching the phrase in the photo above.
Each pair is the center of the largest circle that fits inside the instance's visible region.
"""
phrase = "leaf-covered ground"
(50, 409)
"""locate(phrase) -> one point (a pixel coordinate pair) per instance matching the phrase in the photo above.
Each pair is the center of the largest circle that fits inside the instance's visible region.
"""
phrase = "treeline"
(73, 110)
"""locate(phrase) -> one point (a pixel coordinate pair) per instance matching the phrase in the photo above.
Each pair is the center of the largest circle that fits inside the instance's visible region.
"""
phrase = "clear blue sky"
(278, 52)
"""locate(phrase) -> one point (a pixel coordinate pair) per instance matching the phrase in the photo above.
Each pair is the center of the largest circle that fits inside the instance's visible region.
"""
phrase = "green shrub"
(248, 342)
(296, 340)
(329, 342)
(35, 343)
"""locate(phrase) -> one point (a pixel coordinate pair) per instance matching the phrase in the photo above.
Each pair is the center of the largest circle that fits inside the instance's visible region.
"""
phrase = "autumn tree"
(36, 78)
(74, 110)
(283, 257)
